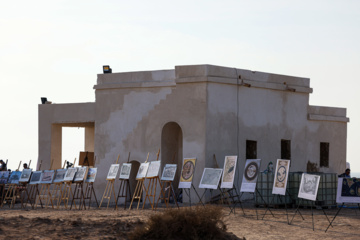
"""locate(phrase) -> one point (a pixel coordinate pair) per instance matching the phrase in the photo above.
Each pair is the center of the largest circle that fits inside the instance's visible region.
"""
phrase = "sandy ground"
(116, 224)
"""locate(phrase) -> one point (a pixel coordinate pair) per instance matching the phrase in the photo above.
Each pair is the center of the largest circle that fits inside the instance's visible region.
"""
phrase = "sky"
(55, 49)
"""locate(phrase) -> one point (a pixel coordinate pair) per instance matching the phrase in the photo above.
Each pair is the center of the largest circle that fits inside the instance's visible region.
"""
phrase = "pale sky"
(54, 49)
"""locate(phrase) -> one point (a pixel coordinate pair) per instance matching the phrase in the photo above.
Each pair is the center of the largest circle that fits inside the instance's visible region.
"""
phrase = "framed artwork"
(348, 190)
(309, 186)
(227, 180)
(142, 170)
(91, 175)
(125, 171)
(70, 174)
(153, 170)
(47, 176)
(35, 177)
(281, 176)
(169, 172)
(187, 172)
(14, 177)
(25, 176)
(251, 172)
(59, 175)
(80, 174)
(210, 178)
(4, 176)
(114, 168)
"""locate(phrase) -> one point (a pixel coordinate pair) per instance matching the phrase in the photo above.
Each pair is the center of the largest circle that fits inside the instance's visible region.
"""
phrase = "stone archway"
(132, 179)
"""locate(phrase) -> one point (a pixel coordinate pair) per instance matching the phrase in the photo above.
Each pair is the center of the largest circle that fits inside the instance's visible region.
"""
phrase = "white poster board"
(113, 170)
(125, 171)
(348, 190)
(281, 176)
(227, 180)
(210, 178)
(35, 177)
(25, 176)
(169, 172)
(59, 175)
(153, 170)
(80, 174)
(251, 172)
(187, 172)
(70, 174)
(309, 186)
(47, 176)
(142, 170)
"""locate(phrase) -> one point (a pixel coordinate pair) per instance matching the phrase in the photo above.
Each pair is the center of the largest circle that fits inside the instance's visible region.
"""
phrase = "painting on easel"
(348, 190)
(169, 172)
(15, 177)
(153, 170)
(251, 172)
(227, 180)
(142, 170)
(4, 176)
(210, 178)
(59, 175)
(187, 172)
(309, 186)
(281, 176)
(114, 168)
(80, 174)
(25, 176)
(47, 176)
(70, 174)
(125, 171)
(36, 177)
(91, 175)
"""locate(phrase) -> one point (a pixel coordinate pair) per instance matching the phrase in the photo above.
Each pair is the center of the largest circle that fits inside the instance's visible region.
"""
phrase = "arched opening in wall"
(132, 179)
(172, 149)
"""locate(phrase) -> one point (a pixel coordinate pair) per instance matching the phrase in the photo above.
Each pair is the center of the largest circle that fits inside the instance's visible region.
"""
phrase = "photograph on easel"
(47, 176)
(80, 174)
(251, 172)
(142, 170)
(309, 186)
(125, 171)
(210, 178)
(70, 174)
(114, 168)
(281, 176)
(91, 175)
(25, 175)
(348, 190)
(59, 175)
(36, 177)
(153, 170)
(227, 180)
(4, 176)
(187, 172)
(14, 177)
(169, 172)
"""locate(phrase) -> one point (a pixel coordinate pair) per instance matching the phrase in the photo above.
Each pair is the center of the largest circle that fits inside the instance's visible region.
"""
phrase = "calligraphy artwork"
(187, 172)
(348, 190)
(227, 180)
(251, 172)
(210, 178)
(309, 186)
(281, 176)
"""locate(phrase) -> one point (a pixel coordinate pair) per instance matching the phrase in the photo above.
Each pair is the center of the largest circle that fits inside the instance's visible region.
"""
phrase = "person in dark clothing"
(346, 174)
(2, 165)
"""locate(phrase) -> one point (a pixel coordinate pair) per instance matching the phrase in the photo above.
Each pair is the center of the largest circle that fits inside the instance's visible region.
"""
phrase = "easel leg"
(335, 216)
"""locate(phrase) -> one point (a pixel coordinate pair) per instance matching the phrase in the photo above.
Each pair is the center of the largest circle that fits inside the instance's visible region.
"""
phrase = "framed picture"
(25, 176)
(91, 175)
(4, 176)
(47, 176)
(187, 172)
(348, 190)
(35, 177)
(227, 180)
(70, 174)
(142, 170)
(153, 170)
(114, 168)
(251, 172)
(59, 175)
(125, 171)
(281, 176)
(80, 174)
(309, 186)
(169, 172)
(210, 178)
(14, 177)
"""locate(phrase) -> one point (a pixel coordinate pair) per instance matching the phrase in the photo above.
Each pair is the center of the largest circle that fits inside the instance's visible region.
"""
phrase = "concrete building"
(198, 111)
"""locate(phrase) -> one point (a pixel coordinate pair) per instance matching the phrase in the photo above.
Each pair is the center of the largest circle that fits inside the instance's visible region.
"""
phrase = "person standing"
(346, 174)
(2, 165)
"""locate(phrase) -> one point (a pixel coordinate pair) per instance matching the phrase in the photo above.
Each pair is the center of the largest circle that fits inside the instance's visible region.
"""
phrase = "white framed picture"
(169, 172)
(114, 168)
(251, 172)
(210, 178)
(309, 186)
(91, 175)
(59, 175)
(153, 170)
(70, 174)
(125, 171)
(15, 177)
(25, 176)
(348, 190)
(227, 180)
(281, 176)
(47, 176)
(35, 177)
(142, 170)
(80, 174)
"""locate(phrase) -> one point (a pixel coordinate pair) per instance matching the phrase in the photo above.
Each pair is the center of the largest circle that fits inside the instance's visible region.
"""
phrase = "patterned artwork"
(142, 170)
(227, 180)
(59, 175)
(4, 176)
(210, 178)
(47, 176)
(36, 177)
(80, 174)
(169, 172)
(25, 176)
(251, 172)
(153, 170)
(281, 176)
(91, 175)
(114, 168)
(309, 186)
(187, 172)
(348, 190)
(125, 171)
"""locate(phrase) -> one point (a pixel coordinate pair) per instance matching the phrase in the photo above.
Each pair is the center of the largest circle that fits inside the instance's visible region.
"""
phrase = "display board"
(114, 168)
(251, 172)
(281, 176)
(14, 177)
(210, 178)
(348, 190)
(227, 180)
(142, 170)
(86, 159)
(80, 174)
(36, 177)
(125, 171)
(309, 186)
(154, 169)
(91, 175)
(59, 175)
(169, 172)
(187, 172)
(25, 176)
(47, 176)
(70, 174)
(4, 176)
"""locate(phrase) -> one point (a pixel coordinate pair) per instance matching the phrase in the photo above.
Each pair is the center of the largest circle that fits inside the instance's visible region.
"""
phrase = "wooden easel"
(124, 189)
(139, 189)
(24, 191)
(79, 191)
(11, 193)
(45, 193)
(66, 192)
(89, 191)
(33, 192)
(109, 189)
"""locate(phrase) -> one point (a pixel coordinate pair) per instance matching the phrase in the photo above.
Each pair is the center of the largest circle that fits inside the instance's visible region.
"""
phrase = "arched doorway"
(132, 179)
(172, 148)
